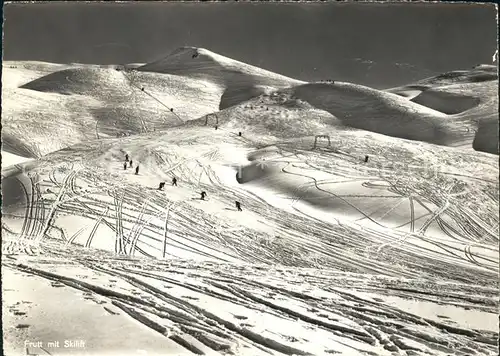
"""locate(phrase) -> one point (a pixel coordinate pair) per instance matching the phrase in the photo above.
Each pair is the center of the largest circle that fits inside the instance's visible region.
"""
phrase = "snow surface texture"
(369, 224)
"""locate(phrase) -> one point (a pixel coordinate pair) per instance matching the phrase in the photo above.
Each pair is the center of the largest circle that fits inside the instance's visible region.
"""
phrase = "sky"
(380, 45)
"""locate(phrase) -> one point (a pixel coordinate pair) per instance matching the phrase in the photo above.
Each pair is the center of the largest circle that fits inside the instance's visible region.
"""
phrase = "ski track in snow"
(223, 305)
(256, 279)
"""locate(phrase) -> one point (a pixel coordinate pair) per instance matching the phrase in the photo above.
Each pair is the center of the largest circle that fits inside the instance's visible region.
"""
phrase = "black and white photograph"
(250, 178)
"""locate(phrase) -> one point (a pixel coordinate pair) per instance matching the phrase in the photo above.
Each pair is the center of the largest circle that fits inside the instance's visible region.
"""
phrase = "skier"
(137, 170)
(130, 163)
(174, 181)
(171, 109)
(366, 158)
(203, 195)
(238, 206)
(142, 89)
(126, 158)
(162, 184)
(239, 133)
(125, 165)
(216, 127)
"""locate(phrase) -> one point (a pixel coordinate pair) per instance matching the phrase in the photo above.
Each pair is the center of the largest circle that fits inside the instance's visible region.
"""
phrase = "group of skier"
(203, 194)
(129, 163)
(162, 184)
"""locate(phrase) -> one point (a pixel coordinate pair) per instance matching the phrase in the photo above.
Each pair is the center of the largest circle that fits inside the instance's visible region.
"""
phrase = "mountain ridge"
(121, 100)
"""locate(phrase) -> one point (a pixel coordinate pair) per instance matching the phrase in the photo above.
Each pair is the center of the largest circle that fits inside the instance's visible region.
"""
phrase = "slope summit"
(202, 63)
(241, 81)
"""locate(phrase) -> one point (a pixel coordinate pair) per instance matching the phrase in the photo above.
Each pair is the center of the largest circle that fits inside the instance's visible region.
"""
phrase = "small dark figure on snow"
(203, 195)
(162, 184)
(174, 181)
(171, 109)
(216, 127)
(137, 170)
(130, 163)
(142, 89)
(366, 158)
(126, 158)
(238, 206)
(125, 165)
(239, 133)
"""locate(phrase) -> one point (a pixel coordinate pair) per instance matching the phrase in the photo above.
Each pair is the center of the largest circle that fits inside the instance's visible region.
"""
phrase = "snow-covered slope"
(135, 306)
(121, 97)
(441, 110)
(373, 110)
(18, 73)
(312, 175)
(414, 214)
(91, 100)
(240, 80)
(205, 64)
(470, 97)
(358, 235)
(319, 108)
(272, 115)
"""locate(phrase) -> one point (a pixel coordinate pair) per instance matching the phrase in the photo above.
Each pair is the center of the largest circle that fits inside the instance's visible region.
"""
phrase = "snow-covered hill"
(319, 108)
(204, 64)
(413, 213)
(359, 234)
(89, 101)
(470, 97)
